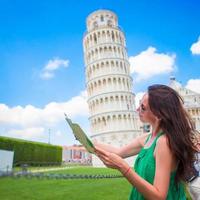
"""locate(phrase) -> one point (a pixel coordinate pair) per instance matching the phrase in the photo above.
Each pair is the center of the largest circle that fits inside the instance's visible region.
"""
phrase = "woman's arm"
(164, 166)
(131, 149)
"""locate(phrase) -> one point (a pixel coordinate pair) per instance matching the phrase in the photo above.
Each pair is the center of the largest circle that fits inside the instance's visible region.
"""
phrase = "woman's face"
(144, 111)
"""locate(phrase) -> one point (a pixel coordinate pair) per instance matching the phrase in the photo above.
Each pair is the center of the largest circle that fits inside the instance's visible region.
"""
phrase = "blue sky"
(42, 71)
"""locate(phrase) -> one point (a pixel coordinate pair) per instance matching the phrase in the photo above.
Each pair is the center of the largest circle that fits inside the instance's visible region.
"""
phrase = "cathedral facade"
(191, 103)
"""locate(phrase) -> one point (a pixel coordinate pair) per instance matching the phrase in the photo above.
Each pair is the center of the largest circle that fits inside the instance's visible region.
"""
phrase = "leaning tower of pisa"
(113, 118)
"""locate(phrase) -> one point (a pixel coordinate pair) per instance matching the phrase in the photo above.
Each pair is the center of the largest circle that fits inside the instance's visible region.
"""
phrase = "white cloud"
(150, 63)
(53, 65)
(195, 48)
(58, 133)
(27, 133)
(46, 75)
(56, 63)
(194, 85)
(31, 121)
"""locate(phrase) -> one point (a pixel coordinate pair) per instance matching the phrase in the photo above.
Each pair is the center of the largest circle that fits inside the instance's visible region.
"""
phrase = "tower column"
(108, 81)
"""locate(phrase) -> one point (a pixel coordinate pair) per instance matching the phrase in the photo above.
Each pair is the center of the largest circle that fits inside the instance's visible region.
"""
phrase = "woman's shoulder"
(163, 141)
(163, 137)
(163, 150)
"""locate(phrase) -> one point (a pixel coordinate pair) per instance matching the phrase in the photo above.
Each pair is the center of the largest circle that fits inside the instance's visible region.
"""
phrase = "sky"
(42, 72)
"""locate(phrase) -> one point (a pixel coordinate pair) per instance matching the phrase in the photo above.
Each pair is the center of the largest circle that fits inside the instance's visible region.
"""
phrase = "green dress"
(145, 167)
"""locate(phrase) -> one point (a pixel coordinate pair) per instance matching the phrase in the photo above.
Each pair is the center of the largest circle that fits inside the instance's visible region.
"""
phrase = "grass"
(86, 170)
(76, 189)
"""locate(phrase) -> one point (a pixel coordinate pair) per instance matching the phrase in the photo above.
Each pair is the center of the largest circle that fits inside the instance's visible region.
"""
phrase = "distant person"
(197, 161)
(194, 183)
(165, 156)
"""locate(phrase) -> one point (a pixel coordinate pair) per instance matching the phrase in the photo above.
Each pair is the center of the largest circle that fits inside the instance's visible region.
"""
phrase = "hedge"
(31, 152)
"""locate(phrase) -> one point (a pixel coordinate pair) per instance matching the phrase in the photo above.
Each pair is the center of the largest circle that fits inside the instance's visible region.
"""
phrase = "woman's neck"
(155, 129)
(155, 132)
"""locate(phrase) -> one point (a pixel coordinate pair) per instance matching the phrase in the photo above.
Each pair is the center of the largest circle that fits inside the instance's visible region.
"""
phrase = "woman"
(165, 156)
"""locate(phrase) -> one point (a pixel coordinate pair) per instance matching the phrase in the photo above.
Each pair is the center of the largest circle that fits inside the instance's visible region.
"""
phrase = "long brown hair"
(167, 105)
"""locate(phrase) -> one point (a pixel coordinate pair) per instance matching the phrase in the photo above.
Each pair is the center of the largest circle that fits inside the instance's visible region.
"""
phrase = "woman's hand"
(111, 160)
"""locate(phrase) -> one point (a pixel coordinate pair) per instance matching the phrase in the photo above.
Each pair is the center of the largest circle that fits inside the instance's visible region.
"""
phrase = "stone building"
(76, 154)
(191, 101)
(113, 118)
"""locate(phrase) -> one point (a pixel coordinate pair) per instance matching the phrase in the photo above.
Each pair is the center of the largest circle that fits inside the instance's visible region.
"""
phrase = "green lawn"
(79, 189)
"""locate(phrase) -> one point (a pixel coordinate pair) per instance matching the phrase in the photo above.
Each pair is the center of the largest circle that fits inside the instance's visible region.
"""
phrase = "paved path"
(50, 169)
